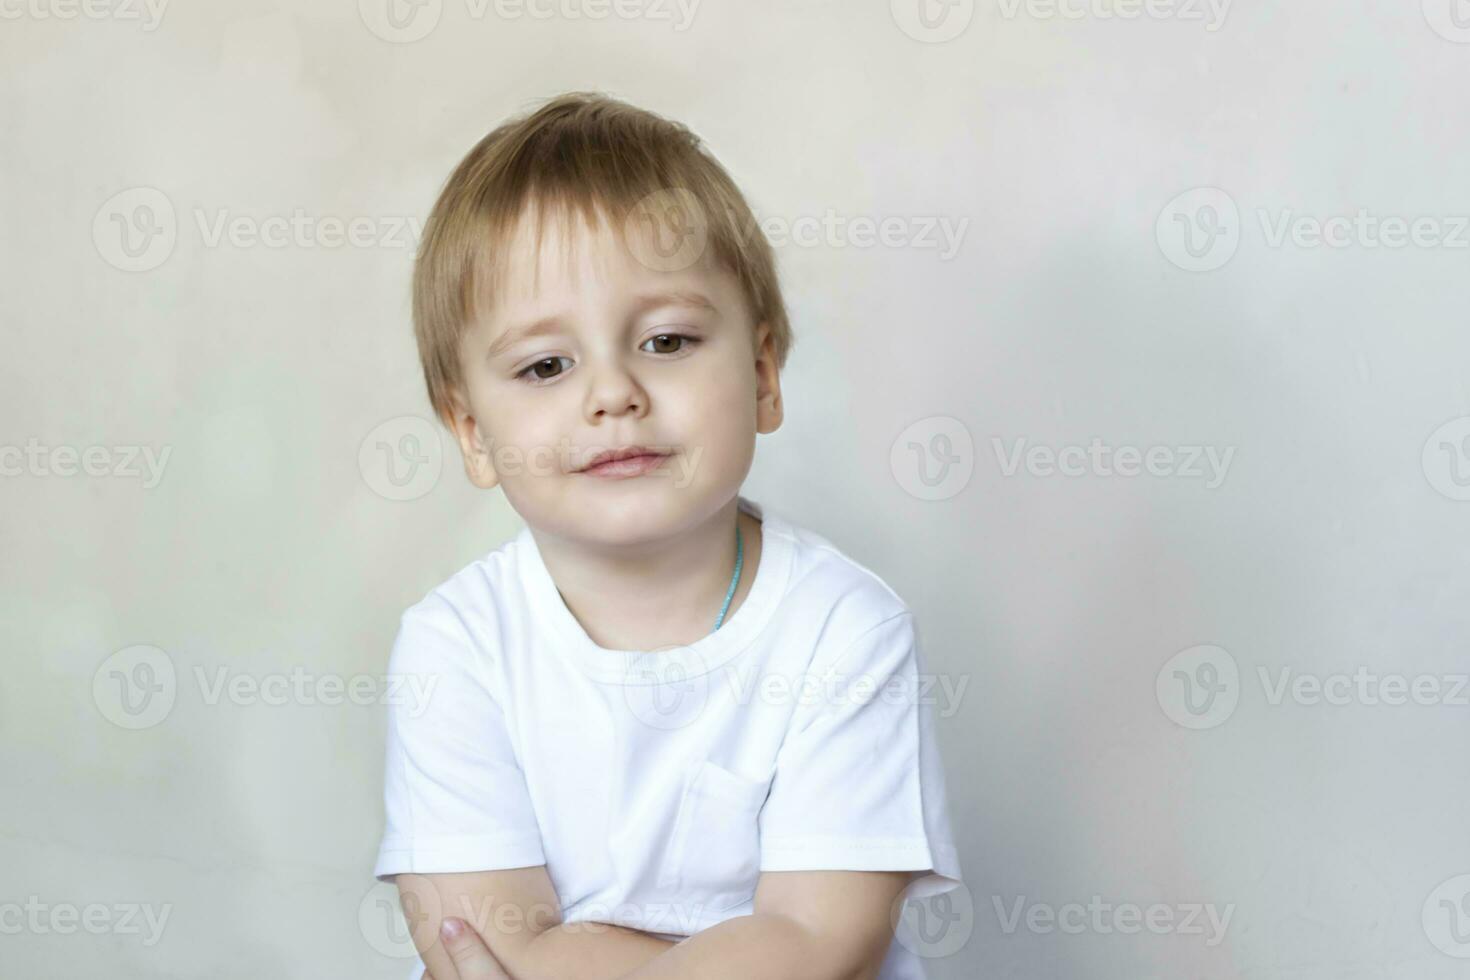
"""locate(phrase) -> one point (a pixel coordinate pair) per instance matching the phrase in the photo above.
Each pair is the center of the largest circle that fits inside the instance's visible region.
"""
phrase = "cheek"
(719, 403)
(512, 418)
(726, 382)
(719, 421)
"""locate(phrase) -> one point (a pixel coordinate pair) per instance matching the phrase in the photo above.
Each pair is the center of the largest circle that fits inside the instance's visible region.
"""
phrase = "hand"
(472, 958)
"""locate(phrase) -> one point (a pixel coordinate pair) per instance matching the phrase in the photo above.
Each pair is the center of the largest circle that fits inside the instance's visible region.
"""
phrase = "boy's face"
(602, 352)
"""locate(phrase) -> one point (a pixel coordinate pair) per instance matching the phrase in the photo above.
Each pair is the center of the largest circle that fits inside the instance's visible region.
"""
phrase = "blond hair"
(579, 153)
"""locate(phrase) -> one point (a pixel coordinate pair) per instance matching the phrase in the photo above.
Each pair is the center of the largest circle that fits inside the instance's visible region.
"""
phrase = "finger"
(471, 956)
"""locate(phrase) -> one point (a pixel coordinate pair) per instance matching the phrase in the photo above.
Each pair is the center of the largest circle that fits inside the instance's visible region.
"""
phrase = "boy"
(661, 706)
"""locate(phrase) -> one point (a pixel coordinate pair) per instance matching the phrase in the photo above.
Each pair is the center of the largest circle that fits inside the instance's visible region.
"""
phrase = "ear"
(768, 411)
(473, 443)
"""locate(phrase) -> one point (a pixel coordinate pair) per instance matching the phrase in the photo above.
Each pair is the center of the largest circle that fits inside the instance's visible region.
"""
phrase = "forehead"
(552, 256)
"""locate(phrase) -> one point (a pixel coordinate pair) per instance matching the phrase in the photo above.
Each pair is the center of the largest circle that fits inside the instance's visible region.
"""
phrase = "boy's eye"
(549, 367)
(663, 342)
(552, 366)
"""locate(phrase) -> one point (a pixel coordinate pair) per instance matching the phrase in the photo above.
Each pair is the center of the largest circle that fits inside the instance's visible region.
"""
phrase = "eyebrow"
(550, 324)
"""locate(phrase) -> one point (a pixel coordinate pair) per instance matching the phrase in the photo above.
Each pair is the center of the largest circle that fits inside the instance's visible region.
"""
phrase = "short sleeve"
(455, 798)
(859, 785)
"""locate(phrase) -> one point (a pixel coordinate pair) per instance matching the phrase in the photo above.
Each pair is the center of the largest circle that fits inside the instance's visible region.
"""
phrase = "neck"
(654, 594)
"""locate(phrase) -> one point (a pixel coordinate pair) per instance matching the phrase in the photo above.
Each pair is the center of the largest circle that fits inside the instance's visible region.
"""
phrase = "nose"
(615, 392)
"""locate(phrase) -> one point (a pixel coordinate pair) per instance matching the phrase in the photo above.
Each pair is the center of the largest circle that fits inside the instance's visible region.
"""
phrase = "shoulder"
(855, 603)
(465, 611)
(823, 573)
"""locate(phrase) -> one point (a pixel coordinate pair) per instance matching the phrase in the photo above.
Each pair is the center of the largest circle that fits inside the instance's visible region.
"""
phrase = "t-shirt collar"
(634, 667)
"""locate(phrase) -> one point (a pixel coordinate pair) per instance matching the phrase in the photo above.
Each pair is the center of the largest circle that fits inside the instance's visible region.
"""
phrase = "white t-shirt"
(657, 786)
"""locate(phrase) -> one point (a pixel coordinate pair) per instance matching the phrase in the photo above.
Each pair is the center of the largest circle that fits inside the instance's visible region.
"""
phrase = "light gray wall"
(1076, 150)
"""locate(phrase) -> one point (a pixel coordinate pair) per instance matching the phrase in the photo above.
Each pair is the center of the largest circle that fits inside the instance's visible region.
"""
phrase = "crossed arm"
(806, 925)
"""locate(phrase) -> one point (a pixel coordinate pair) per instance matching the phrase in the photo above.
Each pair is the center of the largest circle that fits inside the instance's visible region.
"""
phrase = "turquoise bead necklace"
(734, 579)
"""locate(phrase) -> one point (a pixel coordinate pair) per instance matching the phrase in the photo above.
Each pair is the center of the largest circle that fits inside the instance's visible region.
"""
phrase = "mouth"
(625, 462)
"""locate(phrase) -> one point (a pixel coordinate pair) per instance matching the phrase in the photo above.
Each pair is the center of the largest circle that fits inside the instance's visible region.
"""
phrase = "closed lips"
(631, 452)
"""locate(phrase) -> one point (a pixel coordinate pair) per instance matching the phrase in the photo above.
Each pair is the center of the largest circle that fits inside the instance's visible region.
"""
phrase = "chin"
(612, 511)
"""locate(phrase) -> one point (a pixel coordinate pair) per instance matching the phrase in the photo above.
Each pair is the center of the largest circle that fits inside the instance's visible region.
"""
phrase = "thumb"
(470, 954)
